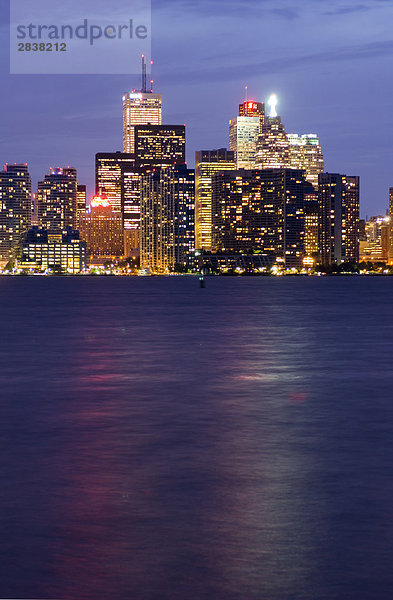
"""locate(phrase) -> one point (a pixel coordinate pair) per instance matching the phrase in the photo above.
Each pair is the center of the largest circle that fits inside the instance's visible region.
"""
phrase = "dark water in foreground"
(162, 442)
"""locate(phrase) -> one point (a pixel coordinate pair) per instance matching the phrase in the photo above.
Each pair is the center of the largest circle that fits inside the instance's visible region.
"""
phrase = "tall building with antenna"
(141, 107)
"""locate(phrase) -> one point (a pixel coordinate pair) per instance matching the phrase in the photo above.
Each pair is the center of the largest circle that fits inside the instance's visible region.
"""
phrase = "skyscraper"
(339, 213)
(102, 230)
(250, 108)
(208, 162)
(110, 167)
(375, 247)
(140, 108)
(80, 201)
(243, 138)
(57, 200)
(306, 153)
(391, 226)
(15, 207)
(159, 145)
(260, 210)
(167, 218)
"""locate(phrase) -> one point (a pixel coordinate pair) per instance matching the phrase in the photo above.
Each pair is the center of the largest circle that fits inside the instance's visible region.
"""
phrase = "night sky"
(330, 62)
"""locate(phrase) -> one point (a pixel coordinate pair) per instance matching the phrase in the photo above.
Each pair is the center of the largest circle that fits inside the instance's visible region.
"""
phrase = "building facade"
(243, 139)
(208, 162)
(339, 212)
(110, 169)
(306, 153)
(260, 210)
(42, 251)
(57, 200)
(167, 218)
(15, 207)
(102, 230)
(159, 145)
(139, 108)
(273, 146)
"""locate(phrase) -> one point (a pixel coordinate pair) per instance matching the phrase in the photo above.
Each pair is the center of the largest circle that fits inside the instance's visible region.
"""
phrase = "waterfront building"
(59, 252)
(259, 210)
(375, 248)
(311, 228)
(306, 153)
(57, 200)
(339, 213)
(208, 162)
(102, 230)
(15, 207)
(167, 218)
(391, 226)
(141, 107)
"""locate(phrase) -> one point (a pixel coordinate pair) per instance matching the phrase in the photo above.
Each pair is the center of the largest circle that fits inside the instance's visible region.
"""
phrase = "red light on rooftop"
(100, 201)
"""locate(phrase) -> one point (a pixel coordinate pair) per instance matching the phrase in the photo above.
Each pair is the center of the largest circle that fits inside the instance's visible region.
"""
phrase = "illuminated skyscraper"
(102, 230)
(391, 226)
(167, 218)
(273, 151)
(57, 200)
(260, 210)
(80, 201)
(306, 153)
(208, 162)
(140, 108)
(110, 167)
(15, 207)
(243, 138)
(339, 212)
(375, 247)
(159, 145)
(249, 108)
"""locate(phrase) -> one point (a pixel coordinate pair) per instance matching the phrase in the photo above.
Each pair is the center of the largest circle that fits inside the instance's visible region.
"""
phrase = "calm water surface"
(163, 442)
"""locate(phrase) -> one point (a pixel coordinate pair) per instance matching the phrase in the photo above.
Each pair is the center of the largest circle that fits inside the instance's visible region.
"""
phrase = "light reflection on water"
(160, 441)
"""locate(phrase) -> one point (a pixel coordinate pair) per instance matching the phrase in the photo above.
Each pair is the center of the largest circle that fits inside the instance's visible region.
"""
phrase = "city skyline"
(90, 117)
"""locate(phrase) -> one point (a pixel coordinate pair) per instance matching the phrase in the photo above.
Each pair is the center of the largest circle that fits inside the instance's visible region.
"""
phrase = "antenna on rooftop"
(144, 86)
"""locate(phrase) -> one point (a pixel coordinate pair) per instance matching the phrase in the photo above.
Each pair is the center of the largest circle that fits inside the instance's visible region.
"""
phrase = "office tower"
(159, 145)
(391, 226)
(15, 207)
(273, 150)
(243, 138)
(208, 162)
(140, 108)
(311, 228)
(339, 211)
(110, 167)
(259, 211)
(80, 201)
(102, 230)
(167, 218)
(249, 108)
(59, 252)
(57, 200)
(375, 247)
(306, 153)
(131, 200)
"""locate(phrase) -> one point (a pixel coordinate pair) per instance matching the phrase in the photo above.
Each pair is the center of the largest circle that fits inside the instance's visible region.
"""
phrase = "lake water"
(159, 441)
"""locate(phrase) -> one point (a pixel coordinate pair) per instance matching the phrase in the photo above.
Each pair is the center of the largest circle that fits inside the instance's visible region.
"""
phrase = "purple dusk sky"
(329, 62)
